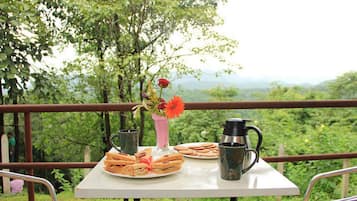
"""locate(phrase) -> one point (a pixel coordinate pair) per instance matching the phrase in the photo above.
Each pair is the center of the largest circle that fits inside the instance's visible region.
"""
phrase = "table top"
(198, 178)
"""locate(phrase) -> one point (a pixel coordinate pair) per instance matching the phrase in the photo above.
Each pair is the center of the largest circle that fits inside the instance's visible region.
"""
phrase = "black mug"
(128, 141)
(231, 159)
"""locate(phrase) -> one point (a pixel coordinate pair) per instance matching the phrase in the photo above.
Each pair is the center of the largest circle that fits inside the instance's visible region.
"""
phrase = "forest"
(121, 46)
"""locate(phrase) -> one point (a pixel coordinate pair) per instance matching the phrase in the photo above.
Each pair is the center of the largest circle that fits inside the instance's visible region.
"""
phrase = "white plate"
(147, 176)
(195, 156)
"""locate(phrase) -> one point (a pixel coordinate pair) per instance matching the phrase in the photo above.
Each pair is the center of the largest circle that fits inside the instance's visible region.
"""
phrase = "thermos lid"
(234, 127)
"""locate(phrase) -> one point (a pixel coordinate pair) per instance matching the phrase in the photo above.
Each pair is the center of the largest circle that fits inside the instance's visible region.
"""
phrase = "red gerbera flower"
(174, 107)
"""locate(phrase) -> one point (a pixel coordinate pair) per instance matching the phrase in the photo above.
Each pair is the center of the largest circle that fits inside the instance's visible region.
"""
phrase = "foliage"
(136, 36)
(344, 86)
(222, 93)
(66, 185)
(199, 130)
(25, 35)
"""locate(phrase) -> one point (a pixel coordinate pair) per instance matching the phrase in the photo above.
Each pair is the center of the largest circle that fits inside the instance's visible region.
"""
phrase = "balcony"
(28, 110)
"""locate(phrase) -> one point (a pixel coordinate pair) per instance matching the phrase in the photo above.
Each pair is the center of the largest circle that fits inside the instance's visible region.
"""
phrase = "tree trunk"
(2, 123)
(137, 63)
(106, 119)
(16, 131)
(105, 138)
(105, 125)
(142, 114)
(119, 52)
(122, 99)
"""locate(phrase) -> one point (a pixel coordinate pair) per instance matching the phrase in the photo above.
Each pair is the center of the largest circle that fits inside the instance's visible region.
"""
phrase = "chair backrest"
(326, 175)
(29, 178)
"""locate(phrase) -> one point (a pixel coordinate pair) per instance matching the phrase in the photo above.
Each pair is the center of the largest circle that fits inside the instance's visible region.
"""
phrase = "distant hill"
(207, 81)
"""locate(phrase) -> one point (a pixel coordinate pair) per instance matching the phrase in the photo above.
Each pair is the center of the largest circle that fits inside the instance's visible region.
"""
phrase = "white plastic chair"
(330, 174)
(34, 179)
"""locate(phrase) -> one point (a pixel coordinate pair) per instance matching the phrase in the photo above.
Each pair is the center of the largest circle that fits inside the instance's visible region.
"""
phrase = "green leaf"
(3, 56)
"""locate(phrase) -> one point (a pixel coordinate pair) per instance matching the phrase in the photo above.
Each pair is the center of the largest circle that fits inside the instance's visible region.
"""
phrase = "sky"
(292, 41)
(296, 41)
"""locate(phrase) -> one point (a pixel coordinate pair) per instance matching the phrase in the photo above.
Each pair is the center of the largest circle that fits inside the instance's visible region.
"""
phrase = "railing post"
(345, 179)
(28, 154)
(87, 158)
(5, 159)
(280, 165)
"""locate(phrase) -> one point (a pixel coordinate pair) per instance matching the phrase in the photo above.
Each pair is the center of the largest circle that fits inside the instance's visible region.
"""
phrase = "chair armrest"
(29, 178)
(326, 175)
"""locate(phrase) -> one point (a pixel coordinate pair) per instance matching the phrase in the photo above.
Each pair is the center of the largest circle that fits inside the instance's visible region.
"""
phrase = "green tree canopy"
(345, 86)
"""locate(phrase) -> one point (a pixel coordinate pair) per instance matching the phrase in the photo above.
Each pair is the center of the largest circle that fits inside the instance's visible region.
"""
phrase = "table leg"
(136, 199)
(125, 199)
(234, 199)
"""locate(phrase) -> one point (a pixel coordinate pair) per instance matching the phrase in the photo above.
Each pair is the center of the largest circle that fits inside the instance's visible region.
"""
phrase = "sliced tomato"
(147, 161)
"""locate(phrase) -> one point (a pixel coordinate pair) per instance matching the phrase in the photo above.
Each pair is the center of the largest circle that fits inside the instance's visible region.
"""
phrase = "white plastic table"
(198, 178)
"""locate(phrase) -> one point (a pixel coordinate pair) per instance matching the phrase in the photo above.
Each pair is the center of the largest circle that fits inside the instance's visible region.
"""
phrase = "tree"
(138, 36)
(345, 86)
(220, 93)
(25, 36)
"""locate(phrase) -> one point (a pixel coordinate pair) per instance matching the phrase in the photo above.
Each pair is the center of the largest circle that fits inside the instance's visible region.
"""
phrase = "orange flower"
(174, 107)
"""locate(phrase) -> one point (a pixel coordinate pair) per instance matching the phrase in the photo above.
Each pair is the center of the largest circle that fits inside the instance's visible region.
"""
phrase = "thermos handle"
(260, 137)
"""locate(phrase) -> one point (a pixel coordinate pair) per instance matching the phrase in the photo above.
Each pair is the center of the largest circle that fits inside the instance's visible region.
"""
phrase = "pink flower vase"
(162, 133)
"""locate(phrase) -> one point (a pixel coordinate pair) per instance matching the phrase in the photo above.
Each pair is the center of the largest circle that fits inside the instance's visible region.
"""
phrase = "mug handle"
(112, 143)
(253, 163)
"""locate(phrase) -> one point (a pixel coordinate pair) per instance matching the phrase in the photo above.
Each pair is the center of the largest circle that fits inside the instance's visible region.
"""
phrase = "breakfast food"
(169, 157)
(166, 170)
(132, 170)
(167, 163)
(136, 169)
(124, 164)
(143, 154)
(119, 156)
(118, 162)
(142, 163)
(204, 150)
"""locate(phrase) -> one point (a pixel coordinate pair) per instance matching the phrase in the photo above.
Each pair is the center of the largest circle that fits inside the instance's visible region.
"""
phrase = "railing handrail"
(65, 165)
(96, 107)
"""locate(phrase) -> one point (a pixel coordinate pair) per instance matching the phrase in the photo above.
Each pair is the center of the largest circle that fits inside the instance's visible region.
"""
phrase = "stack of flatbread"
(199, 149)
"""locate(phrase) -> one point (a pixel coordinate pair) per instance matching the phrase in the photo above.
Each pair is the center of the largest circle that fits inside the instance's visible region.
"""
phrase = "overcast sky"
(296, 41)
(293, 40)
